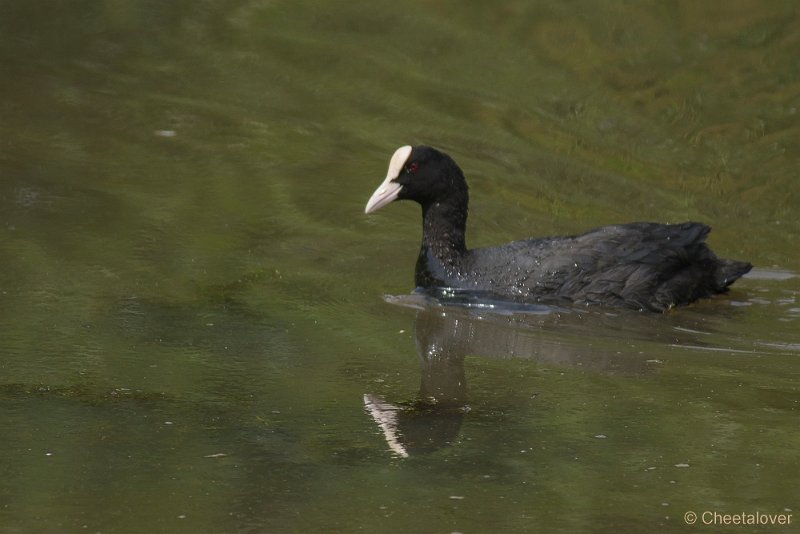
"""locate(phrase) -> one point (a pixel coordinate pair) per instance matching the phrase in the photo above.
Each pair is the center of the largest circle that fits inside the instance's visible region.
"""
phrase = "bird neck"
(444, 226)
(443, 245)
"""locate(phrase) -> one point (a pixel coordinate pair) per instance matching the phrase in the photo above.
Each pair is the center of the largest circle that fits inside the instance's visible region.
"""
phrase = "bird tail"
(728, 271)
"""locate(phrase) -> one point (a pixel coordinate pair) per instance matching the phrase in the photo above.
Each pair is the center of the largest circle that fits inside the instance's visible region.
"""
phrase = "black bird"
(642, 265)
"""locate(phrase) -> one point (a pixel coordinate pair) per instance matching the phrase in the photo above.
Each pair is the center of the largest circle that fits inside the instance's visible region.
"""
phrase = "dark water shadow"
(448, 327)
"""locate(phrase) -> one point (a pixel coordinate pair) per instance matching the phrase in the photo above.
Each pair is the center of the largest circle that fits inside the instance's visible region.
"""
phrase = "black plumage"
(639, 265)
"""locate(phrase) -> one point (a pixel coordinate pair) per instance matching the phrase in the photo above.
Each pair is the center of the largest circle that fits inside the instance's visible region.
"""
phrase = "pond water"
(200, 331)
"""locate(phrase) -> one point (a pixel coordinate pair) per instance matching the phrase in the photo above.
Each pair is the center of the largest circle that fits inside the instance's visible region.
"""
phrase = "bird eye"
(412, 167)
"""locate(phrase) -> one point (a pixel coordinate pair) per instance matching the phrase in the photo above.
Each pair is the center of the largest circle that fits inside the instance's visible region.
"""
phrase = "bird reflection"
(434, 418)
(449, 327)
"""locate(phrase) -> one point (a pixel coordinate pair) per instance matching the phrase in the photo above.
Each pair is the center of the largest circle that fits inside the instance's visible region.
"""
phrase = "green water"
(192, 309)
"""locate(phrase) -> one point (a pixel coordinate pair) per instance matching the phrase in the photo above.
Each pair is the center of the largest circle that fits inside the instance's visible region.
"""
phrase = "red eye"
(412, 167)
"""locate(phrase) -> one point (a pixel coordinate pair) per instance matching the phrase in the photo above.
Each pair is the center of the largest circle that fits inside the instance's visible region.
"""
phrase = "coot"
(642, 265)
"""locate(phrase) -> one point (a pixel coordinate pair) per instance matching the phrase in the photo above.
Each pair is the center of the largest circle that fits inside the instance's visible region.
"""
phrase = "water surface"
(195, 335)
